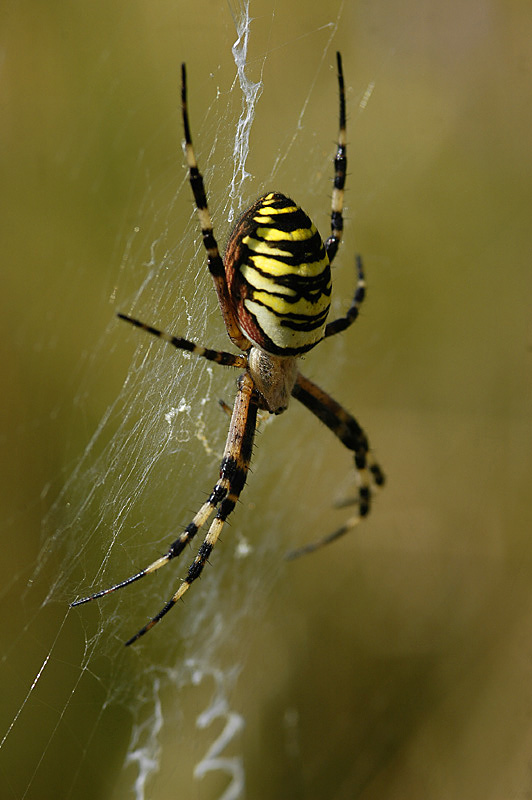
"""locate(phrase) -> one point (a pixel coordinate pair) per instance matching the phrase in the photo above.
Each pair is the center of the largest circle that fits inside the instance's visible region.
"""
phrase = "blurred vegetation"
(396, 663)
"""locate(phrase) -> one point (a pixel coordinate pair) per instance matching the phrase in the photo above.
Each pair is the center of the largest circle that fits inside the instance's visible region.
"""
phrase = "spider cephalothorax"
(274, 290)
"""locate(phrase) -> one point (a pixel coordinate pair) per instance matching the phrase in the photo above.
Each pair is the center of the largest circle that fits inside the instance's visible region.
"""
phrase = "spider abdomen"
(279, 276)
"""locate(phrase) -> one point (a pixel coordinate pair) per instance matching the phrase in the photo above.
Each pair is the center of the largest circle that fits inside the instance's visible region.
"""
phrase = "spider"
(274, 287)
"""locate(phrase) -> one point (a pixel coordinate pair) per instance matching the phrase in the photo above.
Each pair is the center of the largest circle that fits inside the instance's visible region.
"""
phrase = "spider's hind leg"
(347, 429)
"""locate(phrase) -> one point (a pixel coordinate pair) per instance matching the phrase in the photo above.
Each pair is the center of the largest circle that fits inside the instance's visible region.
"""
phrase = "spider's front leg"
(233, 474)
(340, 170)
(347, 429)
(214, 259)
(337, 219)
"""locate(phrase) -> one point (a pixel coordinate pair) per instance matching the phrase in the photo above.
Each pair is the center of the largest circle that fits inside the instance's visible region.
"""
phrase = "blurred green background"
(397, 663)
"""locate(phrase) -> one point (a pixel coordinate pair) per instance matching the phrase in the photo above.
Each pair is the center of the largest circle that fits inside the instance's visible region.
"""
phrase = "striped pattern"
(340, 170)
(273, 287)
(214, 259)
(218, 356)
(342, 323)
(279, 276)
(233, 473)
(349, 432)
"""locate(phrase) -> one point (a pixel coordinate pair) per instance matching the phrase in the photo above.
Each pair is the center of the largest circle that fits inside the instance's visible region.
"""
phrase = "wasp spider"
(274, 289)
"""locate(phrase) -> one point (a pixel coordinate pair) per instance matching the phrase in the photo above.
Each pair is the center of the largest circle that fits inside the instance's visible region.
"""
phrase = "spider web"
(144, 470)
(408, 642)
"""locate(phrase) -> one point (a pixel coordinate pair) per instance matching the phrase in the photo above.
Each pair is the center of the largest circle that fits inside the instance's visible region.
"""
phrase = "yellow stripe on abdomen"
(279, 276)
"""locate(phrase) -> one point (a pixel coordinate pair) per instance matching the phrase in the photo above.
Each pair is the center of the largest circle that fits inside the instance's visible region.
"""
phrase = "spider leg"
(177, 547)
(214, 259)
(233, 474)
(347, 429)
(219, 356)
(340, 324)
(340, 167)
(337, 220)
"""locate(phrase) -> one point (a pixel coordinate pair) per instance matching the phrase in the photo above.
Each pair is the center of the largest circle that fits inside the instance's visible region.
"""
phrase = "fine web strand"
(143, 751)
(332, 27)
(251, 92)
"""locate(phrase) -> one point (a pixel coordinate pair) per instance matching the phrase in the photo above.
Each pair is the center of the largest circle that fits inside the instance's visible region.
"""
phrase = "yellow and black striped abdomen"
(279, 276)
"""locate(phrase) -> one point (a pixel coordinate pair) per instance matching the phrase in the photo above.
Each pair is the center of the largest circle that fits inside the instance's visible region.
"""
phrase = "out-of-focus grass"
(395, 664)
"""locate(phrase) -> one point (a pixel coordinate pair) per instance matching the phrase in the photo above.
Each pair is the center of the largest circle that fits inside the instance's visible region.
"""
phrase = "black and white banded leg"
(337, 220)
(340, 324)
(340, 169)
(233, 473)
(214, 260)
(218, 356)
(347, 429)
